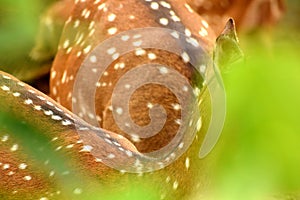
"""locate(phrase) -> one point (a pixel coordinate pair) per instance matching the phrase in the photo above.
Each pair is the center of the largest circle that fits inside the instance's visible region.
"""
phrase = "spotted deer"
(104, 157)
(88, 26)
(248, 14)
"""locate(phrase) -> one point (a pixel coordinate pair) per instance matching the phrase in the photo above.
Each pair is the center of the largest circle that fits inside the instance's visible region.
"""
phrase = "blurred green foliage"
(258, 155)
(19, 22)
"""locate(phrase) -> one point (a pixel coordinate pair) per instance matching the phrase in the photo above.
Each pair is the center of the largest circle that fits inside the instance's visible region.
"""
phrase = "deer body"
(92, 22)
(249, 15)
(89, 24)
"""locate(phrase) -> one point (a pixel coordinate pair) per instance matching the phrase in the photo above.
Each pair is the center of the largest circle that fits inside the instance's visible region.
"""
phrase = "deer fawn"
(107, 156)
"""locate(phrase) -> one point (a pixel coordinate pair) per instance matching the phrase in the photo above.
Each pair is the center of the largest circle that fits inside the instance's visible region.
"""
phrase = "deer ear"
(227, 50)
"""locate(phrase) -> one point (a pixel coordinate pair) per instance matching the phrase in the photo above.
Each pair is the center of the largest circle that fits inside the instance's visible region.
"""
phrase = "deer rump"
(82, 35)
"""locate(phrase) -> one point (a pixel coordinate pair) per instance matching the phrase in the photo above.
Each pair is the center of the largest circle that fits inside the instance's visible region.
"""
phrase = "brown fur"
(248, 14)
(156, 94)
